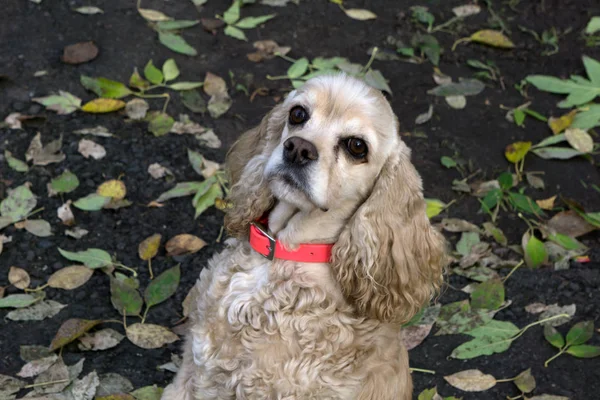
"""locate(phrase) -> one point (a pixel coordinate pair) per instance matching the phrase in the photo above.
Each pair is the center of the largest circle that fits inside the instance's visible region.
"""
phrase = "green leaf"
(174, 25)
(494, 337)
(105, 87)
(375, 79)
(124, 298)
(162, 287)
(587, 118)
(448, 162)
(558, 153)
(14, 163)
(185, 189)
(580, 333)
(525, 381)
(429, 46)
(70, 330)
(137, 81)
(63, 103)
(207, 199)
(524, 203)
(233, 13)
(434, 207)
(196, 160)
(458, 317)
(593, 26)
(19, 203)
(565, 241)
(153, 74)
(170, 70)
(466, 242)
(147, 392)
(298, 68)
(535, 115)
(176, 43)
(65, 182)
(327, 63)
(592, 69)
(535, 251)
(496, 233)
(92, 202)
(235, 33)
(18, 301)
(488, 295)
(552, 84)
(551, 140)
(427, 394)
(584, 351)
(519, 116)
(466, 87)
(580, 91)
(91, 258)
(160, 123)
(185, 85)
(193, 100)
(554, 337)
(491, 200)
(505, 180)
(253, 22)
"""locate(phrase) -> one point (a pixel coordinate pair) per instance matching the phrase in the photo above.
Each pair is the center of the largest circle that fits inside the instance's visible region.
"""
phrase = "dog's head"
(334, 144)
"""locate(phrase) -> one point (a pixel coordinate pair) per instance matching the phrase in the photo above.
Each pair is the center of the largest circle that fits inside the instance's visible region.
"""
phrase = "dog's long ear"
(246, 160)
(389, 259)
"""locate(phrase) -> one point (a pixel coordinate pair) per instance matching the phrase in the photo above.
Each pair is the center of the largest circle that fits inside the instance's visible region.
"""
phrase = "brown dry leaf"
(211, 25)
(76, 232)
(150, 336)
(136, 109)
(38, 227)
(79, 53)
(70, 330)
(114, 189)
(187, 126)
(148, 248)
(214, 85)
(570, 223)
(210, 168)
(155, 204)
(2, 290)
(65, 214)
(580, 140)
(36, 367)
(189, 301)
(57, 373)
(266, 50)
(14, 120)
(546, 204)
(414, 335)
(44, 155)
(100, 340)
(157, 171)
(88, 149)
(561, 123)
(458, 225)
(536, 308)
(184, 244)
(71, 277)
(19, 278)
(471, 380)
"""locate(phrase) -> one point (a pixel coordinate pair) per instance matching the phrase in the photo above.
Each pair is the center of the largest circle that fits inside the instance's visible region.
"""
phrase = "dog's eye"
(298, 115)
(357, 147)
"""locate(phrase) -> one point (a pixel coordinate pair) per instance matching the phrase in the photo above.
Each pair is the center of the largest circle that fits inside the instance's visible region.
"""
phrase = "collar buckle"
(272, 241)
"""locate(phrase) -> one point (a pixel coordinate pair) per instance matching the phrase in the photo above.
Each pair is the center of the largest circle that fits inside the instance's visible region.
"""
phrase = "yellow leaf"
(561, 123)
(516, 152)
(184, 244)
(153, 15)
(360, 14)
(546, 204)
(113, 188)
(98, 106)
(434, 207)
(580, 140)
(149, 247)
(492, 38)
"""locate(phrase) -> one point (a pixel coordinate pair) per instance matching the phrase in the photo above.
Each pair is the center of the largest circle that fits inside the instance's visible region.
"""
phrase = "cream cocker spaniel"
(329, 169)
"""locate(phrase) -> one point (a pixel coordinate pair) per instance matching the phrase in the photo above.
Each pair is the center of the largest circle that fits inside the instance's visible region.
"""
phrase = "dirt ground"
(32, 37)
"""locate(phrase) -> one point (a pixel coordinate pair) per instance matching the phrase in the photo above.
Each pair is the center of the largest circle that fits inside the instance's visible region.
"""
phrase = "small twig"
(425, 371)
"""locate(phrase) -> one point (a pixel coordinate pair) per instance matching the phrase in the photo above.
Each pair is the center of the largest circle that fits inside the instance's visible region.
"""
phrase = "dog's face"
(334, 143)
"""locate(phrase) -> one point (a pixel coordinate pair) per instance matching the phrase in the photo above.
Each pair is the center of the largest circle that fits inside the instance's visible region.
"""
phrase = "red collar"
(265, 244)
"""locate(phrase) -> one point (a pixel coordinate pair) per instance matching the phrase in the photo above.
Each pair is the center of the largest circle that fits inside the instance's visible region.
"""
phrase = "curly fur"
(286, 330)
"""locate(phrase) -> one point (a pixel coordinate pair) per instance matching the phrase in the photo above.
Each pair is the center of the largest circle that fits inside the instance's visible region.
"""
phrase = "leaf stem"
(37, 289)
(516, 267)
(115, 321)
(425, 371)
(522, 331)
(286, 58)
(459, 41)
(45, 383)
(145, 314)
(278, 77)
(555, 356)
(35, 212)
(133, 271)
(150, 268)
(368, 65)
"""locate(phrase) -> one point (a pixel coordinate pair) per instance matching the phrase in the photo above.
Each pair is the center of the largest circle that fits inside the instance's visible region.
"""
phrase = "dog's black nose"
(299, 151)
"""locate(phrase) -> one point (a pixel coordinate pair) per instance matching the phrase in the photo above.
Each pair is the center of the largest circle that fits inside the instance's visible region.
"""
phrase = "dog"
(330, 253)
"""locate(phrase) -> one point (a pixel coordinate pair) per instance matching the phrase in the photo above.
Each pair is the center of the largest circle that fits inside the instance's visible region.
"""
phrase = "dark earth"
(32, 38)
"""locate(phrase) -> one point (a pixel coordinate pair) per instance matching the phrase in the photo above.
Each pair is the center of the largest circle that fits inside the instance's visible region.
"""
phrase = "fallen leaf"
(434, 207)
(63, 103)
(113, 384)
(458, 317)
(33, 352)
(92, 202)
(173, 365)
(64, 183)
(19, 278)
(102, 105)
(70, 330)
(148, 393)
(471, 380)
(515, 152)
(557, 125)
(184, 244)
(114, 189)
(535, 252)
(580, 140)
(493, 337)
(266, 50)
(9, 386)
(525, 381)
(89, 10)
(18, 300)
(15, 163)
(193, 100)
(125, 298)
(495, 232)
(69, 278)
(91, 258)
(85, 388)
(554, 310)
(162, 287)
(100, 131)
(492, 38)
(76, 232)
(546, 204)
(457, 102)
(535, 181)
(536, 308)
(488, 295)
(466, 10)
(38, 227)
(148, 248)
(209, 139)
(176, 43)
(88, 148)
(466, 242)
(150, 336)
(36, 367)
(153, 15)
(44, 155)
(159, 124)
(186, 126)
(79, 53)
(157, 171)
(425, 117)
(58, 373)
(359, 14)
(458, 225)
(466, 87)
(18, 204)
(136, 109)
(65, 214)
(570, 223)
(100, 340)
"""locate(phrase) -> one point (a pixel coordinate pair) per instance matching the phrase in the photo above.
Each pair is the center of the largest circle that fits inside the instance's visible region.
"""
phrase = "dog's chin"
(286, 188)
